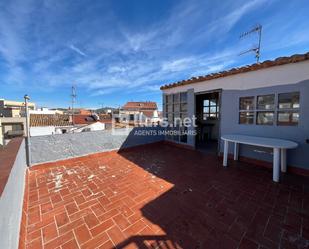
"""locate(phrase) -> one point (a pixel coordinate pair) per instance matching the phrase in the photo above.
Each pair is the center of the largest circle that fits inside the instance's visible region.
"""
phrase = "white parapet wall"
(57, 147)
(11, 200)
(42, 130)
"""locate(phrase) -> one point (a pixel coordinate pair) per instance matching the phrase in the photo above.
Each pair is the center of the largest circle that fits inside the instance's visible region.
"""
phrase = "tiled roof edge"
(248, 68)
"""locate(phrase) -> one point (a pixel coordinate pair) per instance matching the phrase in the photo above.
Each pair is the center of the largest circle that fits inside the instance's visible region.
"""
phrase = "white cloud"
(77, 50)
(37, 44)
(178, 65)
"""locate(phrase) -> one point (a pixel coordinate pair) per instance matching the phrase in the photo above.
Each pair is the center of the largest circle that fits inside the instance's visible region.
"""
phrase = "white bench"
(279, 146)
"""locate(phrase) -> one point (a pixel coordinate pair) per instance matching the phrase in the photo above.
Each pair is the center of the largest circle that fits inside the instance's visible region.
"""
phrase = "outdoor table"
(279, 146)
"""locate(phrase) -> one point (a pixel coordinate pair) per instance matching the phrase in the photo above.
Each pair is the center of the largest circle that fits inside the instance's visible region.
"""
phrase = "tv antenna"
(73, 96)
(257, 48)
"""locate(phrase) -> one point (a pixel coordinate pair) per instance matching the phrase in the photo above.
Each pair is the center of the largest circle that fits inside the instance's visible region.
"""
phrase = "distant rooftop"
(49, 120)
(147, 105)
(88, 119)
(15, 103)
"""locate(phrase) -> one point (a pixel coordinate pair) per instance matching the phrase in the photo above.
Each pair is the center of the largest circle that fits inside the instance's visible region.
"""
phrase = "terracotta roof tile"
(248, 68)
(88, 119)
(49, 120)
(147, 105)
(148, 114)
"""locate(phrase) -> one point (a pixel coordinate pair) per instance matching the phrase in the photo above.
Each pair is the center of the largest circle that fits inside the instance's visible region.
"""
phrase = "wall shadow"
(188, 212)
(210, 206)
(141, 135)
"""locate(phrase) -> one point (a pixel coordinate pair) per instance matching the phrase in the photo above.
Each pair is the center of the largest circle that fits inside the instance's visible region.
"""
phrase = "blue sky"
(116, 51)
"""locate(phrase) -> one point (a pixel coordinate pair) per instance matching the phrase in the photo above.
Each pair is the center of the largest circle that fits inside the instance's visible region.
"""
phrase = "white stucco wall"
(98, 126)
(11, 202)
(42, 130)
(278, 75)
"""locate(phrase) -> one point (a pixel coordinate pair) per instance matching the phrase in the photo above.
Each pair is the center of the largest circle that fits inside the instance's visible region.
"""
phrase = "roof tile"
(49, 120)
(253, 67)
(147, 105)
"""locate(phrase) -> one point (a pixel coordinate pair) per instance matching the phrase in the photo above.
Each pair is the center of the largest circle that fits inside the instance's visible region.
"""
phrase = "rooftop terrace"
(161, 196)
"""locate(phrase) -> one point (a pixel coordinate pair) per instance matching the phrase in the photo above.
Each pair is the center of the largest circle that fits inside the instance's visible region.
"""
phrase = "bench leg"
(276, 165)
(283, 160)
(225, 152)
(236, 149)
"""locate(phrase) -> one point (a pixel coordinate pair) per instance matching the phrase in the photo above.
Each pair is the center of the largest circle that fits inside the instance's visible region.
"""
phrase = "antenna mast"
(73, 96)
(256, 49)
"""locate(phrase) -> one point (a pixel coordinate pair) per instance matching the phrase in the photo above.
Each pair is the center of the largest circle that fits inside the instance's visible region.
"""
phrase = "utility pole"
(73, 96)
(28, 142)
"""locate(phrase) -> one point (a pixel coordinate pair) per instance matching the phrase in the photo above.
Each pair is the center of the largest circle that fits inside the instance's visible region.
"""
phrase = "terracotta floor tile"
(82, 234)
(160, 195)
(102, 227)
(91, 220)
(59, 241)
(98, 209)
(35, 244)
(107, 245)
(71, 208)
(70, 245)
(34, 235)
(70, 226)
(116, 235)
(49, 232)
(62, 219)
(135, 228)
(248, 244)
(121, 221)
(46, 207)
(95, 242)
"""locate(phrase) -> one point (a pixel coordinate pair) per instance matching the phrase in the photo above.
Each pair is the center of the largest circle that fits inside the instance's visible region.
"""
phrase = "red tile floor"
(159, 196)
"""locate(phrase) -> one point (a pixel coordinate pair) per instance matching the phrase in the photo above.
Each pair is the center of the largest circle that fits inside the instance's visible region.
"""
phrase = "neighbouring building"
(11, 127)
(82, 111)
(10, 108)
(44, 110)
(92, 122)
(96, 126)
(48, 124)
(269, 99)
(139, 112)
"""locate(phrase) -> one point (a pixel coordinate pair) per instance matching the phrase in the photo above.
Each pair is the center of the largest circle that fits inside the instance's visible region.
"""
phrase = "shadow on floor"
(215, 207)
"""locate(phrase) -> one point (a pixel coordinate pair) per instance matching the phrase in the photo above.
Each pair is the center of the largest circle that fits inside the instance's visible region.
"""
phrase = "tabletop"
(260, 141)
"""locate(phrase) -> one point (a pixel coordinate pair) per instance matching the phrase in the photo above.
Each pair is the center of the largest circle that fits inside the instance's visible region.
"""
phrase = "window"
(265, 109)
(288, 100)
(168, 103)
(176, 107)
(288, 118)
(170, 118)
(183, 102)
(210, 109)
(246, 103)
(266, 102)
(246, 117)
(265, 118)
(288, 108)
(285, 111)
(246, 110)
(183, 97)
(176, 98)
